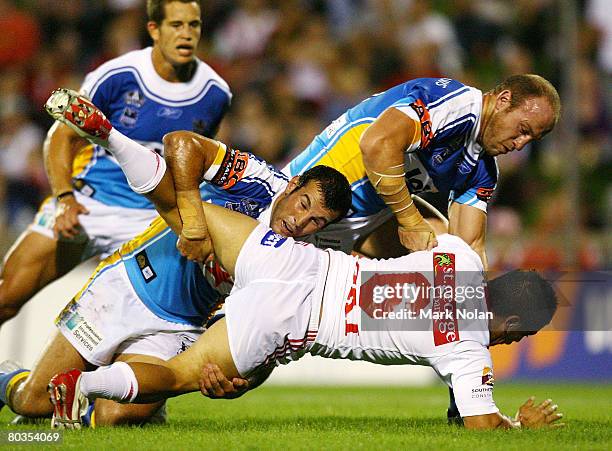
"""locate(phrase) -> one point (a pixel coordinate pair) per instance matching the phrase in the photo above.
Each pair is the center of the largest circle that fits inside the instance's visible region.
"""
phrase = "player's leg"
(28, 267)
(25, 392)
(112, 413)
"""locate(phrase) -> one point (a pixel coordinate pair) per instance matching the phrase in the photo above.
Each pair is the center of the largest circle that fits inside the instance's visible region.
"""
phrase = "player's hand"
(215, 385)
(419, 237)
(67, 214)
(194, 250)
(537, 416)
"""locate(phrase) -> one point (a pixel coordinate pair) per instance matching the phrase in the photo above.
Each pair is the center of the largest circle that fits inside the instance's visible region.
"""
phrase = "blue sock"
(4, 382)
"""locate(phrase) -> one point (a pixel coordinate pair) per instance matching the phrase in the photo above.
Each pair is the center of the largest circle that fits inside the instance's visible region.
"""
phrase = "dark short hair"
(333, 185)
(525, 294)
(156, 11)
(529, 86)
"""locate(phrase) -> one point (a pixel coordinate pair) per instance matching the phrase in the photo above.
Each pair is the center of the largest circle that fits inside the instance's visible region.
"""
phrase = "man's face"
(179, 33)
(510, 130)
(299, 211)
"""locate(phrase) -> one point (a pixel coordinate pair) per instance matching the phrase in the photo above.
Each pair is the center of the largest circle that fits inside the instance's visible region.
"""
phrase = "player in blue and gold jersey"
(427, 135)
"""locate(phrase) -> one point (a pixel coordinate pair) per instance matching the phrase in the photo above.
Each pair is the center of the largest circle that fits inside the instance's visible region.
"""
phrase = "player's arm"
(529, 415)
(382, 146)
(188, 156)
(59, 149)
(470, 224)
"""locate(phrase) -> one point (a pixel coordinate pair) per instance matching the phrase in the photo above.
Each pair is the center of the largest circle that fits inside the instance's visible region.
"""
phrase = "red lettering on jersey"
(232, 169)
(351, 302)
(366, 299)
(426, 126)
(444, 309)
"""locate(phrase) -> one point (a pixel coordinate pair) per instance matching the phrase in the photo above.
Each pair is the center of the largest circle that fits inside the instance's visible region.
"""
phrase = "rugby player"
(145, 94)
(423, 135)
(291, 298)
(146, 302)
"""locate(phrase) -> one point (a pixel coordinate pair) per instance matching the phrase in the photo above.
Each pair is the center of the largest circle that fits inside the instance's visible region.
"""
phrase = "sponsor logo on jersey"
(273, 239)
(426, 127)
(145, 266)
(200, 126)
(83, 188)
(248, 207)
(485, 194)
(169, 113)
(232, 169)
(129, 117)
(487, 376)
(443, 82)
(444, 308)
(134, 98)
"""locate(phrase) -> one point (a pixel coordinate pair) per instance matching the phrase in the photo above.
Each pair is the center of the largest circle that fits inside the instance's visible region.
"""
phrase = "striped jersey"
(144, 107)
(446, 158)
(175, 288)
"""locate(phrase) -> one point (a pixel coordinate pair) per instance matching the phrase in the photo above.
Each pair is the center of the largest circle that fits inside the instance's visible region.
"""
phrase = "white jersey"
(414, 327)
(281, 325)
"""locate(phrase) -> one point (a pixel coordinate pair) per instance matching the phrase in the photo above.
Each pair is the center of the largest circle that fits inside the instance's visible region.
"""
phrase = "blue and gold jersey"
(444, 158)
(144, 107)
(177, 289)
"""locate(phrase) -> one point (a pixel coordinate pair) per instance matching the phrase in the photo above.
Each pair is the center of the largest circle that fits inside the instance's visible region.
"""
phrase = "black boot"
(452, 413)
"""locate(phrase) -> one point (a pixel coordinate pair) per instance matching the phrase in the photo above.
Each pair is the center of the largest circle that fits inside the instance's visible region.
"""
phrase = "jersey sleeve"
(243, 174)
(470, 373)
(435, 104)
(480, 187)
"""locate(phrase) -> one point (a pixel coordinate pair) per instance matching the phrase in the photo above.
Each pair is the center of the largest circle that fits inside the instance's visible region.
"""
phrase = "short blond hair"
(528, 86)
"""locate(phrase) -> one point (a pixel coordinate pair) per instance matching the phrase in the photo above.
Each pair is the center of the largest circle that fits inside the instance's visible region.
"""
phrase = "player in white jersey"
(145, 94)
(291, 298)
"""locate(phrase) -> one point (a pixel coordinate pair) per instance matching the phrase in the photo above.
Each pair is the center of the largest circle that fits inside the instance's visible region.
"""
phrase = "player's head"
(175, 27)
(526, 108)
(522, 303)
(311, 201)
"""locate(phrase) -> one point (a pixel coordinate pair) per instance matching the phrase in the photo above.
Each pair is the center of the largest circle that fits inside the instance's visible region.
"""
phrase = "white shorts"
(107, 318)
(272, 314)
(342, 235)
(107, 227)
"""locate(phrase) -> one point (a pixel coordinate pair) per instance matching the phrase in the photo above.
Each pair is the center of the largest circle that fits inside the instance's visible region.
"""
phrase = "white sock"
(117, 382)
(142, 167)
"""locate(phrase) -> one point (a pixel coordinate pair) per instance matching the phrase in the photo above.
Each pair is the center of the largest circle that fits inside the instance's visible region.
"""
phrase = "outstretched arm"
(382, 146)
(529, 416)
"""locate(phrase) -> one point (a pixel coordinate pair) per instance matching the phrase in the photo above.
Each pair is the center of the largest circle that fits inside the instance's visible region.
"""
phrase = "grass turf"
(353, 418)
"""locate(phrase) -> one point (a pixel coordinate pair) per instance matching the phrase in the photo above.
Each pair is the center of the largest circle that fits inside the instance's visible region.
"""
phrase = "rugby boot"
(77, 112)
(69, 404)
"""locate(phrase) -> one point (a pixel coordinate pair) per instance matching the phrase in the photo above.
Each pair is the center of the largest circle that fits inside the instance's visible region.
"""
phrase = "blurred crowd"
(295, 65)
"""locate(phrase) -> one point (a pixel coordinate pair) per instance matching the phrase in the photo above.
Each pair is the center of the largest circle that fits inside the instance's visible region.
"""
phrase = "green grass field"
(354, 418)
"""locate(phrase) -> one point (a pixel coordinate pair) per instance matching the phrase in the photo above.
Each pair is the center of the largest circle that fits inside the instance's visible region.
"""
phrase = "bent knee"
(31, 402)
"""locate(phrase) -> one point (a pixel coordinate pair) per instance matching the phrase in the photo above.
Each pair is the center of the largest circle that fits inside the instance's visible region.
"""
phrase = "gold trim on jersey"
(82, 159)
(155, 228)
(345, 155)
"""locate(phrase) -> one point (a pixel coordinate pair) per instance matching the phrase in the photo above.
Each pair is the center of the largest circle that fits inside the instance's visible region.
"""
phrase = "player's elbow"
(373, 145)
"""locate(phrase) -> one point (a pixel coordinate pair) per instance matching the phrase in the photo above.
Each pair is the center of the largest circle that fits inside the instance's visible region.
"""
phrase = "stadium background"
(295, 65)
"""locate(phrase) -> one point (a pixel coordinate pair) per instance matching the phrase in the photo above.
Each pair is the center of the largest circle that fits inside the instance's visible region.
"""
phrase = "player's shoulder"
(128, 61)
(206, 73)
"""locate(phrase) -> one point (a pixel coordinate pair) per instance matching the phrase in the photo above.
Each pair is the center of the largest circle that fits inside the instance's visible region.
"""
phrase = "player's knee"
(115, 414)
(31, 401)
